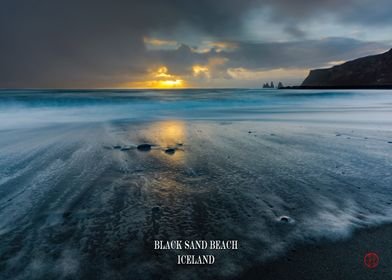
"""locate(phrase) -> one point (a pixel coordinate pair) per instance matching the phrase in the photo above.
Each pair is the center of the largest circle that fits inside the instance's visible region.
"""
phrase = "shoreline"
(326, 259)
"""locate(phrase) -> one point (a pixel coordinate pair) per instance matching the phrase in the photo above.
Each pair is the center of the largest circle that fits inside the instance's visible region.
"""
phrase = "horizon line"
(124, 89)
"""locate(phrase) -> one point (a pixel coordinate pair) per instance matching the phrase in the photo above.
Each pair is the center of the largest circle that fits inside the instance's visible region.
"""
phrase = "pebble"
(144, 147)
(285, 219)
(170, 151)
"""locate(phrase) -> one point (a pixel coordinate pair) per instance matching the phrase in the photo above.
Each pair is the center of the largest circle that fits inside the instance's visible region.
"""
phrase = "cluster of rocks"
(266, 85)
(145, 147)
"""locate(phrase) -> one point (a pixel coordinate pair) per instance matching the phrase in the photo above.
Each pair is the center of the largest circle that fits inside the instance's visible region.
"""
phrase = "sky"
(183, 43)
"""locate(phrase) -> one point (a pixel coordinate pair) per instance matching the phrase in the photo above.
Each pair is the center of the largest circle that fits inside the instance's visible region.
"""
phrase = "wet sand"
(343, 259)
(80, 201)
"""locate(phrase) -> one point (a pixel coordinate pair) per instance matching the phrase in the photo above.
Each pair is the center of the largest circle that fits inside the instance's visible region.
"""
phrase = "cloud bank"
(117, 43)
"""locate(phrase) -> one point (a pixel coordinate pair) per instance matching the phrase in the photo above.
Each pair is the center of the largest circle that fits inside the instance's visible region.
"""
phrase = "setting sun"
(170, 83)
(159, 78)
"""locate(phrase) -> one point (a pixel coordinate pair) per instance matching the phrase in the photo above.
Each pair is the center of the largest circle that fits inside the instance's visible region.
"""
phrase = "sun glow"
(160, 78)
(162, 72)
(172, 83)
(200, 70)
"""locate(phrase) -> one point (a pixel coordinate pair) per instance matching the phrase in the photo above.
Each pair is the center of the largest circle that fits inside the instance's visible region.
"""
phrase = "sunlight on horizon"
(159, 79)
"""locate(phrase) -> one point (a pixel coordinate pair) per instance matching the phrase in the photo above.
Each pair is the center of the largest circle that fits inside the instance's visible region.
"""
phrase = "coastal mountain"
(367, 72)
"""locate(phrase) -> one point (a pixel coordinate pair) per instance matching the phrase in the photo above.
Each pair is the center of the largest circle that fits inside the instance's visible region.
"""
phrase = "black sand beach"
(305, 189)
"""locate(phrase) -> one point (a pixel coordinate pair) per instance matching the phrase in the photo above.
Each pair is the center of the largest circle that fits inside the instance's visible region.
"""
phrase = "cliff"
(367, 72)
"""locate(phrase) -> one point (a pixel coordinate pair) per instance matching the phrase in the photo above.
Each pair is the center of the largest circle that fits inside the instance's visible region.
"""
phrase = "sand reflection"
(168, 134)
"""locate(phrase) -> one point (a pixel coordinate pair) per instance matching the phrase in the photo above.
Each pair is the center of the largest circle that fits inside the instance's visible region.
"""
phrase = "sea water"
(26, 108)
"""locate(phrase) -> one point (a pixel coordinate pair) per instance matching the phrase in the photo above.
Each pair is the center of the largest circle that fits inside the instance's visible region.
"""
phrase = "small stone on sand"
(285, 219)
(170, 151)
(144, 147)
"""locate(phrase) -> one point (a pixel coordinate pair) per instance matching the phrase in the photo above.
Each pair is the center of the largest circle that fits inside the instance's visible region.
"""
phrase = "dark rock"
(125, 149)
(144, 147)
(117, 147)
(375, 70)
(249, 132)
(266, 85)
(390, 142)
(170, 151)
(285, 219)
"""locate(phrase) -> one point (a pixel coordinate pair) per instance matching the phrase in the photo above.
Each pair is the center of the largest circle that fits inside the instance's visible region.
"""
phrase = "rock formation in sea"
(266, 85)
(374, 70)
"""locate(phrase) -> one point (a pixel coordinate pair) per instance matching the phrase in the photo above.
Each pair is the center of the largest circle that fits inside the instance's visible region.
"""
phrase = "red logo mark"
(371, 260)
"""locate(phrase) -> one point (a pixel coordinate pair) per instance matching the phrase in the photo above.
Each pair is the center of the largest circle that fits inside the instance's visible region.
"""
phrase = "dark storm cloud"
(295, 31)
(49, 42)
(302, 54)
(53, 43)
(264, 56)
(358, 11)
